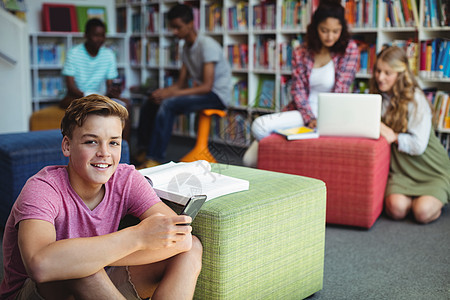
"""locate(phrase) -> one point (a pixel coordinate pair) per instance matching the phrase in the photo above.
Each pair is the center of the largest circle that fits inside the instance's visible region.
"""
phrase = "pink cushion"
(355, 171)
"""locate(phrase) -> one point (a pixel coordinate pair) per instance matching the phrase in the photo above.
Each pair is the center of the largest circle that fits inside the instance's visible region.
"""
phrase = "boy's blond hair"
(79, 109)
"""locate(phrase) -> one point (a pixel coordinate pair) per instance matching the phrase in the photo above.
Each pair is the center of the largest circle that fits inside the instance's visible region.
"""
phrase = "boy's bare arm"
(163, 93)
(72, 88)
(198, 89)
(157, 237)
(205, 86)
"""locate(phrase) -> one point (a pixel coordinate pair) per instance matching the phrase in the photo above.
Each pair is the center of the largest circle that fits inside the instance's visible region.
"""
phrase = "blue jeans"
(165, 116)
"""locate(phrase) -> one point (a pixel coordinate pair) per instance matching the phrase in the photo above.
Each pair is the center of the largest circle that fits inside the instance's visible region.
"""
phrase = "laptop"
(349, 115)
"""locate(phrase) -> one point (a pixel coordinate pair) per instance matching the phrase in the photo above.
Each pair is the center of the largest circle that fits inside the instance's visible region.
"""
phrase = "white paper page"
(163, 174)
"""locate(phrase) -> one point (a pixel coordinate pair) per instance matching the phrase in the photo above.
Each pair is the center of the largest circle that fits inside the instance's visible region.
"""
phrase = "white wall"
(34, 8)
(15, 86)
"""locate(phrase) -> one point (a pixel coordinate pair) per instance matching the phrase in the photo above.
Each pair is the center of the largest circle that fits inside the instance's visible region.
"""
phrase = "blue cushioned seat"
(23, 155)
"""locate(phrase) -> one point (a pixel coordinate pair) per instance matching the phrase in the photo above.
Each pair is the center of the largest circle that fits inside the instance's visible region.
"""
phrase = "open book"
(177, 182)
(298, 133)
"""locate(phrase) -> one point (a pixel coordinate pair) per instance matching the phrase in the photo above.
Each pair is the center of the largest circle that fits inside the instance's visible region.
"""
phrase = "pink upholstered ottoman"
(355, 171)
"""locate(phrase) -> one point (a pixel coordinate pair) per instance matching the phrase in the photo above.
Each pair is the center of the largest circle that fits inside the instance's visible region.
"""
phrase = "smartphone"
(193, 207)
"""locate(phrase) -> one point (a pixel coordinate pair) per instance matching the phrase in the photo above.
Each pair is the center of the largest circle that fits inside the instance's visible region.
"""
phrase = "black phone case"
(193, 206)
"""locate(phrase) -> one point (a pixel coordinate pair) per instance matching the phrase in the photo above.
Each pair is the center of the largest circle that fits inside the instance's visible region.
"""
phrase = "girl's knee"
(259, 129)
(426, 209)
(397, 206)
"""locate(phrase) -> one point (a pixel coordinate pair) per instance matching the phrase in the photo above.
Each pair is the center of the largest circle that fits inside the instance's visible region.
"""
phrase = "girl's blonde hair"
(79, 109)
(403, 89)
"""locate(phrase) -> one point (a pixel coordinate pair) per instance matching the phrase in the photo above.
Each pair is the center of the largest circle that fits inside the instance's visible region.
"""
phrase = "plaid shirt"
(302, 64)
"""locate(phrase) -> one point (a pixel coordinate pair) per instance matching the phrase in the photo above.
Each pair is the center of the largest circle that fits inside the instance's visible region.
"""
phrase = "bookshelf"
(257, 37)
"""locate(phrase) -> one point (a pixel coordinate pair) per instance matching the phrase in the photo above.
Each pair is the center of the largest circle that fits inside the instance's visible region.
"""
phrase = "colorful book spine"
(152, 21)
(265, 53)
(213, 17)
(152, 53)
(264, 16)
(238, 56)
(240, 93)
(434, 58)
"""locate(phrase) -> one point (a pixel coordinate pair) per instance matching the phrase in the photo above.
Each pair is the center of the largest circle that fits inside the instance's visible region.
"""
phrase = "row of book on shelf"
(265, 52)
(266, 55)
(413, 50)
(361, 13)
(405, 13)
(428, 58)
(265, 95)
(238, 16)
(149, 21)
(358, 13)
(50, 86)
(297, 14)
(435, 58)
(171, 52)
(50, 53)
(436, 13)
(434, 55)
(400, 13)
(55, 53)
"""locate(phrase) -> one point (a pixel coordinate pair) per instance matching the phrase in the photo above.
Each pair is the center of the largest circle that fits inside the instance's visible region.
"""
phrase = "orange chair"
(47, 118)
(200, 150)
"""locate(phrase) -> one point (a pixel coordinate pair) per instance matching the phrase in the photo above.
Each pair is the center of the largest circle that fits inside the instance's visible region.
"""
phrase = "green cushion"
(267, 242)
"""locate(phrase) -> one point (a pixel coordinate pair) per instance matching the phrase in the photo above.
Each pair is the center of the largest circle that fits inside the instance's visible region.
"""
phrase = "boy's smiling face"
(94, 152)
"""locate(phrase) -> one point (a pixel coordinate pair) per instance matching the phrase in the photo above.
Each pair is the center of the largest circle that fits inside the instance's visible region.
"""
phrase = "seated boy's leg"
(147, 115)
(96, 286)
(173, 278)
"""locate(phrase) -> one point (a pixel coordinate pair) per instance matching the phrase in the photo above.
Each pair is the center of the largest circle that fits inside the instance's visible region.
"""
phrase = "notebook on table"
(349, 115)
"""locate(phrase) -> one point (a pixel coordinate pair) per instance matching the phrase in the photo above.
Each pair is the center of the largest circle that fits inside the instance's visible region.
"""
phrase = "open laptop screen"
(349, 115)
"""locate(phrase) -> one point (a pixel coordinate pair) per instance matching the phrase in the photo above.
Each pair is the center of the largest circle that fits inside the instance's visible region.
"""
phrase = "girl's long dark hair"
(327, 9)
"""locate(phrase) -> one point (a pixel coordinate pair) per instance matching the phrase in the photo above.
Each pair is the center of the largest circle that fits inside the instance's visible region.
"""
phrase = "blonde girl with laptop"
(419, 176)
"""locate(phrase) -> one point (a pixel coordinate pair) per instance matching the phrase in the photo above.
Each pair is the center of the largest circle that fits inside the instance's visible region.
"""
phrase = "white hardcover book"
(177, 182)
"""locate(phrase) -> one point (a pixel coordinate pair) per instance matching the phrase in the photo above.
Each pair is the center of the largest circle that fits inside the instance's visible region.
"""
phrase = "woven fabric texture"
(264, 243)
(355, 171)
(23, 155)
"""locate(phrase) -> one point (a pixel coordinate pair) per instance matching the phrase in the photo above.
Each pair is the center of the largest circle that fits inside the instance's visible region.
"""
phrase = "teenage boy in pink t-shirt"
(61, 239)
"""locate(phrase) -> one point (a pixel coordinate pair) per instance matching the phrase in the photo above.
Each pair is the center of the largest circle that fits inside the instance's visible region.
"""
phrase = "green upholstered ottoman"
(264, 243)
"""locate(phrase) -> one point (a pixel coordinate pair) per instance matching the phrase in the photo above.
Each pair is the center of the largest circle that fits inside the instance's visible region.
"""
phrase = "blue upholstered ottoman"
(23, 155)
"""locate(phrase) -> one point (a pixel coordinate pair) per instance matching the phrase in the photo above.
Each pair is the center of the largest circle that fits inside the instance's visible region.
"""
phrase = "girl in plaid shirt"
(326, 62)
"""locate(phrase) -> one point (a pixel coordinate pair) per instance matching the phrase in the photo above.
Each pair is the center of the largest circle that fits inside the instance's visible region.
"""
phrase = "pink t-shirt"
(49, 196)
